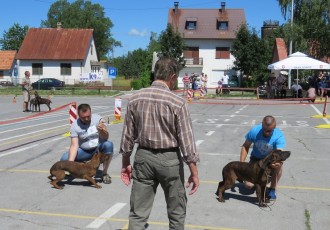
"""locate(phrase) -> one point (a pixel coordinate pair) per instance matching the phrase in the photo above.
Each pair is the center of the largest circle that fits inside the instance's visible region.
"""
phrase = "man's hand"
(195, 181)
(126, 174)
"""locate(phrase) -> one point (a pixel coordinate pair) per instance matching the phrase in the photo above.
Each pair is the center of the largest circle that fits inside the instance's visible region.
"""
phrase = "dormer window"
(222, 25)
(191, 24)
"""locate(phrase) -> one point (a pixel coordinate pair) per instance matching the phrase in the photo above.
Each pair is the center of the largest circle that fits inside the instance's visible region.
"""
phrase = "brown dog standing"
(39, 100)
(255, 172)
(77, 169)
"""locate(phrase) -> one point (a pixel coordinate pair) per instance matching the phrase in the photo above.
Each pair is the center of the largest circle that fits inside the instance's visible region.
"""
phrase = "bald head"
(268, 125)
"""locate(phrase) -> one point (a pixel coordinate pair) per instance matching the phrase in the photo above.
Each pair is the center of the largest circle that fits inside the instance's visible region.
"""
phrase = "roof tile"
(55, 44)
(207, 22)
(7, 58)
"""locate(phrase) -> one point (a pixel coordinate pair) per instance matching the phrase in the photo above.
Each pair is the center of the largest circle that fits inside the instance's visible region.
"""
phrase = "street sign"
(112, 72)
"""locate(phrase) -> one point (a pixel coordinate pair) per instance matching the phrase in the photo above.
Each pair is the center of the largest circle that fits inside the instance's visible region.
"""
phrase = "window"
(37, 69)
(191, 24)
(1, 74)
(222, 53)
(95, 68)
(222, 25)
(65, 68)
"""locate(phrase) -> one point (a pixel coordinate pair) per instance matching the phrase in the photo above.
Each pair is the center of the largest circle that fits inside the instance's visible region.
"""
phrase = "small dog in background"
(39, 100)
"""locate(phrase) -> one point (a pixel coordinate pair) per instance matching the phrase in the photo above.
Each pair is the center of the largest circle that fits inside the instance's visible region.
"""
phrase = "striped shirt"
(156, 118)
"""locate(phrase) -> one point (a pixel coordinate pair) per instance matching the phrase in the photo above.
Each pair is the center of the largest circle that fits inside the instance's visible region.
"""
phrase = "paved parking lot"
(29, 147)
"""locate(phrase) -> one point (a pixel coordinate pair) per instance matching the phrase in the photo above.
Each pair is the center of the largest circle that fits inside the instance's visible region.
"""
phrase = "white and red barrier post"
(202, 92)
(117, 108)
(73, 112)
(189, 95)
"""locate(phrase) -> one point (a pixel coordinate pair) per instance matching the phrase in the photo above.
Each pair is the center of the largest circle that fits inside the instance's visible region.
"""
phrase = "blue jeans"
(83, 155)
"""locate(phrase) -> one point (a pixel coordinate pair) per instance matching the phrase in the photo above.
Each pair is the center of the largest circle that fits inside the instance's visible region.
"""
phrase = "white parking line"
(209, 133)
(106, 215)
(325, 119)
(199, 142)
(226, 120)
(29, 147)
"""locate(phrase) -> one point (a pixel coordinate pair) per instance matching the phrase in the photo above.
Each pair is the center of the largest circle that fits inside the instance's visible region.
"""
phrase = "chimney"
(176, 6)
(223, 7)
(59, 25)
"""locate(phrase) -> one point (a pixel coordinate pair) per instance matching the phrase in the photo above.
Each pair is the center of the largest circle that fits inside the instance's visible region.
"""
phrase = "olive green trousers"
(152, 167)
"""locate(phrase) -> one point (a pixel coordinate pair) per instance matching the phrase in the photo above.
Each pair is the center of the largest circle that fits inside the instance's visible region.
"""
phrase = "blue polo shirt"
(264, 145)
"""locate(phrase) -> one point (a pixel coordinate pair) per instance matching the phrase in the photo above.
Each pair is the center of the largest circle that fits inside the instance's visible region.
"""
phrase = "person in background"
(225, 80)
(204, 81)
(271, 84)
(26, 88)
(311, 94)
(158, 121)
(297, 89)
(219, 88)
(186, 82)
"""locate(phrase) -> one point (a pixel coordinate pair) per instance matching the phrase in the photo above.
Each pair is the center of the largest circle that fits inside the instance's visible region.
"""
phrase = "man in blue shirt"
(265, 138)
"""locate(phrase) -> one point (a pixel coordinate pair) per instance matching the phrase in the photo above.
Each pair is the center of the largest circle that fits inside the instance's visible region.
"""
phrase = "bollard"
(117, 108)
(325, 107)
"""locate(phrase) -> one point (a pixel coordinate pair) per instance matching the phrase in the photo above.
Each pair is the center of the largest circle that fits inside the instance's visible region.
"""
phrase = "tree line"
(310, 34)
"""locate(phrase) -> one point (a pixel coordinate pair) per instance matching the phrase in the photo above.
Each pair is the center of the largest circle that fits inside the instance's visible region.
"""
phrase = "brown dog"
(255, 172)
(77, 169)
(39, 100)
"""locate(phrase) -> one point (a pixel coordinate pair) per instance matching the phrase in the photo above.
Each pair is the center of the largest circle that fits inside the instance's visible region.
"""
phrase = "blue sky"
(134, 19)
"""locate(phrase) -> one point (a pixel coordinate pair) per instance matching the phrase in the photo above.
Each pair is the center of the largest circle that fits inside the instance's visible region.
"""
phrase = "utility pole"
(290, 47)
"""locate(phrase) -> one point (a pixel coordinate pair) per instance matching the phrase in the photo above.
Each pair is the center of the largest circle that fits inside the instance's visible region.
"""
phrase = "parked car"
(6, 83)
(48, 83)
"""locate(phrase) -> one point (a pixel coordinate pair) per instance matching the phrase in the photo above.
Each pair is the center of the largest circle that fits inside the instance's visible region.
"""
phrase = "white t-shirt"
(225, 79)
(88, 135)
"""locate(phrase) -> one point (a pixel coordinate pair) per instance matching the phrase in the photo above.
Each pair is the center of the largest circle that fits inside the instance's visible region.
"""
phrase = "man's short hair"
(84, 108)
(268, 121)
(165, 67)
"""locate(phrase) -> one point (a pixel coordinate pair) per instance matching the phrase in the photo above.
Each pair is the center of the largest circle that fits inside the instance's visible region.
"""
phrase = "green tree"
(83, 14)
(13, 38)
(171, 44)
(252, 54)
(312, 21)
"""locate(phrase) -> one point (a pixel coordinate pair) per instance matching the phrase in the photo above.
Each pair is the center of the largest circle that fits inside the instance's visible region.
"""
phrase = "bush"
(136, 84)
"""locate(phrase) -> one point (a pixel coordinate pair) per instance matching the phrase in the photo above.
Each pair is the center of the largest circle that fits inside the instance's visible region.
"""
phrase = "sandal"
(106, 179)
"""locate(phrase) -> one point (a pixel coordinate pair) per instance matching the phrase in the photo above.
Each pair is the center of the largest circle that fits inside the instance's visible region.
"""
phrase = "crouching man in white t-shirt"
(89, 133)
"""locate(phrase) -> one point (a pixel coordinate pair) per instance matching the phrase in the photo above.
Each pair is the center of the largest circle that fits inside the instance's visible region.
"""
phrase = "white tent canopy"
(299, 60)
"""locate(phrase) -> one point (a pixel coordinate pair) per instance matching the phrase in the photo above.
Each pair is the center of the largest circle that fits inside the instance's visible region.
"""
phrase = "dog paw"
(98, 186)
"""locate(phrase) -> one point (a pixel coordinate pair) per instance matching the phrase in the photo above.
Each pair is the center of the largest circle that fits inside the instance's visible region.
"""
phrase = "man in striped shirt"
(159, 122)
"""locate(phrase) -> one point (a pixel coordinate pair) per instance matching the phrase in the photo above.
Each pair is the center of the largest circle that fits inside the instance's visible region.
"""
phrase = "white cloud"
(135, 32)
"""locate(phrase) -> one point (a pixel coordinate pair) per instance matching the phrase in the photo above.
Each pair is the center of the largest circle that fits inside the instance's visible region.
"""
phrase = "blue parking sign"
(112, 72)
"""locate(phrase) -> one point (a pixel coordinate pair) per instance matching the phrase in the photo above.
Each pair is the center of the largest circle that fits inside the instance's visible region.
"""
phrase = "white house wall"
(51, 69)
(214, 68)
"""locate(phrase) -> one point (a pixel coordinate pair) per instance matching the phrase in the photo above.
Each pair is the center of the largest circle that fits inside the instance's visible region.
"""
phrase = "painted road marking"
(199, 142)
(106, 215)
(318, 112)
(187, 226)
(237, 112)
(29, 147)
(232, 115)
(210, 133)
(226, 120)
(202, 181)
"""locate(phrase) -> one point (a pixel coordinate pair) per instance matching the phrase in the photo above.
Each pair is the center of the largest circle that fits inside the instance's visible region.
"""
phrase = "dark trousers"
(150, 169)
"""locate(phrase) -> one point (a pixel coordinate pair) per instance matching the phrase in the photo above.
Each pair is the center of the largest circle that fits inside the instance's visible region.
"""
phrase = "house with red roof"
(208, 35)
(7, 64)
(65, 54)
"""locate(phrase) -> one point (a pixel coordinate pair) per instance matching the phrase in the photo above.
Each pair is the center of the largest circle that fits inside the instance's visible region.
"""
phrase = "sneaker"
(272, 194)
(106, 179)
